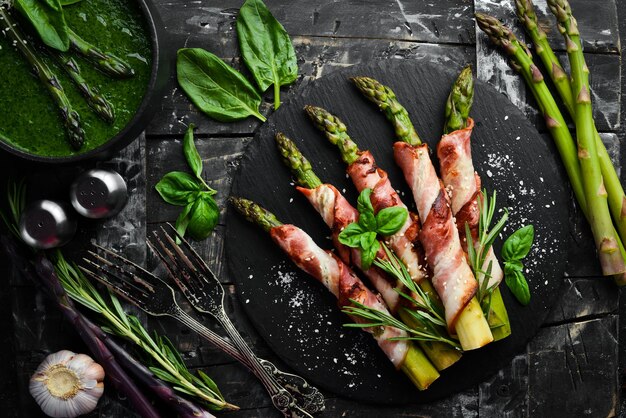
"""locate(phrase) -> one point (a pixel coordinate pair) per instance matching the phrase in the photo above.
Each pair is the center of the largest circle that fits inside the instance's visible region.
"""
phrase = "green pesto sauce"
(30, 120)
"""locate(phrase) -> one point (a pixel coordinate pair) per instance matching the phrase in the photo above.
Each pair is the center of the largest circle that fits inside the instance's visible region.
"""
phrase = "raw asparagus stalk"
(415, 364)
(96, 101)
(472, 329)
(440, 354)
(104, 61)
(521, 61)
(616, 197)
(457, 119)
(71, 119)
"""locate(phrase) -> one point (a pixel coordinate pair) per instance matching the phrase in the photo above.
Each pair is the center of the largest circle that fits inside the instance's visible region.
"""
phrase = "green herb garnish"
(516, 247)
(363, 234)
(200, 214)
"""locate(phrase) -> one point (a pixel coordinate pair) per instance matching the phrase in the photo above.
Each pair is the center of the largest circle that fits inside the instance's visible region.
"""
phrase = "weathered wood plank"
(583, 298)
(578, 359)
(316, 56)
(447, 21)
(505, 395)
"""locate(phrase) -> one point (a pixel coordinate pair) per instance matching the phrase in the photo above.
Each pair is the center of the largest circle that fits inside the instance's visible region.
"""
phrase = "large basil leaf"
(47, 18)
(69, 2)
(178, 188)
(203, 218)
(215, 87)
(391, 220)
(183, 220)
(351, 235)
(265, 47)
(517, 246)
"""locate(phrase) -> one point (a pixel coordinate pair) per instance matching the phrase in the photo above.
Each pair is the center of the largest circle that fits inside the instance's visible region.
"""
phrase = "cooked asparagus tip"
(105, 62)
(335, 131)
(96, 101)
(71, 119)
(300, 167)
(255, 213)
(440, 354)
(472, 327)
(595, 192)
(418, 368)
(459, 101)
(386, 101)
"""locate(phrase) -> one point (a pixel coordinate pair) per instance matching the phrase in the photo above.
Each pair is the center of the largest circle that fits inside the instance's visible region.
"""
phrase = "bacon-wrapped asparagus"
(341, 281)
(463, 184)
(338, 213)
(452, 277)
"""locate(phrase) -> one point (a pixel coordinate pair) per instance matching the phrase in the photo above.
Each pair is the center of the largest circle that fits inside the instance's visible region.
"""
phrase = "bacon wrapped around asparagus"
(463, 185)
(338, 213)
(452, 277)
(341, 281)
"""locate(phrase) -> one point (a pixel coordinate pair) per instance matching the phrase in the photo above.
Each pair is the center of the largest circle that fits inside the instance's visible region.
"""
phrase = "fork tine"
(152, 278)
(127, 276)
(174, 266)
(130, 283)
(119, 290)
(182, 286)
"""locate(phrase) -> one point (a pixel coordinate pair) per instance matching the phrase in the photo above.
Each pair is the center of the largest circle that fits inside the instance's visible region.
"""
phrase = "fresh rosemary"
(477, 250)
(426, 315)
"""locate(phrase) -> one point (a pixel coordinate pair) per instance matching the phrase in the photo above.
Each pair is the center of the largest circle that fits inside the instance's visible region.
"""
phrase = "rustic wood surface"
(573, 367)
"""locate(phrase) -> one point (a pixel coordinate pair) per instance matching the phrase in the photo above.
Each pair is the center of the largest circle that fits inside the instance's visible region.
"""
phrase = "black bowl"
(161, 66)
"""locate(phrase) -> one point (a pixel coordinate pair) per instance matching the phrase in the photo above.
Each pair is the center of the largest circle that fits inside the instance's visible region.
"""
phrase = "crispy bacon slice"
(338, 213)
(366, 175)
(463, 184)
(452, 276)
(341, 281)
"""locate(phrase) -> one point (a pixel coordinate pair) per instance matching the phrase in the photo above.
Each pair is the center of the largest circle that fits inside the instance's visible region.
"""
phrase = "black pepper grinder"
(99, 194)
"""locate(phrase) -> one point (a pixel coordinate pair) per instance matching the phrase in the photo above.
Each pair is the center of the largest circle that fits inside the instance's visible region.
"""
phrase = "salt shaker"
(47, 224)
(99, 194)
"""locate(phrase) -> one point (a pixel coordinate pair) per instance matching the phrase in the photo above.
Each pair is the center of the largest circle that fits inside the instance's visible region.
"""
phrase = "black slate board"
(298, 318)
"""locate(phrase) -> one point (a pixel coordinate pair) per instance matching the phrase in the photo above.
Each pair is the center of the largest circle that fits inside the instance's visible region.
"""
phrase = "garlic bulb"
(67, 384)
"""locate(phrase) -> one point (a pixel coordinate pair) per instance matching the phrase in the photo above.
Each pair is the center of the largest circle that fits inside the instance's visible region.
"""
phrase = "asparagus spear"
(415, 365)
(106, 62)
(471, 326)
(71, 119)
(521, 61)
(96, 101)
(616, 197)
(440, 354)
(459, 102)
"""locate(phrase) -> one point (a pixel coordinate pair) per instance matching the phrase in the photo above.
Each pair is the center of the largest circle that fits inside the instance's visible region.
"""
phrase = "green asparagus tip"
(255, 213)
(563, 12)
(526, 12)
(499, 34)
(335, 131)
(459, 101)
(373, 90)
(300, 167)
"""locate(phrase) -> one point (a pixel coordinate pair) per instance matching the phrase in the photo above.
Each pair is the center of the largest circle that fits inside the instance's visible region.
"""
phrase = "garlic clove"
(67, 384)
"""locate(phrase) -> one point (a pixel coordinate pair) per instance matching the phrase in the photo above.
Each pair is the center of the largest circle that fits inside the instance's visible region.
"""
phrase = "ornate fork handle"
(282, 399)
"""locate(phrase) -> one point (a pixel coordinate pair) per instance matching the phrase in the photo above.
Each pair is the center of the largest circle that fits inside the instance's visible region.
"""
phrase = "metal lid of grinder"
(99, 193)
(47, 224)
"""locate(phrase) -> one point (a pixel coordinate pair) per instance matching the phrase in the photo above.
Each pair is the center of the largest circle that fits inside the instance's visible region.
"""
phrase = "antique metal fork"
(290, 394)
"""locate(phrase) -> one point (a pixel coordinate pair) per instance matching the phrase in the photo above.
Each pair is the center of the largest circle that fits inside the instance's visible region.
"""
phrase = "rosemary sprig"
(427, 313)
(167, 363)
(16, 194)
(477, 252)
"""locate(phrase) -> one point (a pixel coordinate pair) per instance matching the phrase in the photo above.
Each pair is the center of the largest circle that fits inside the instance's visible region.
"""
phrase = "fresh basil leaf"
(364, 203)
(517, 246)
(368, 221)
(204, 216)
(351, 235)
(518, 285)
(48, 20)
(367, 239)
(178, 188)
(183, 221)
(266, 48)
(369, 254)
(191, 152)
(513, 265)
(390, 220)
(215, 87)
(69, 2)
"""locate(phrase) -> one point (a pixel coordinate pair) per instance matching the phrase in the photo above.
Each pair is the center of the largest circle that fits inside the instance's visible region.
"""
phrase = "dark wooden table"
(572, 367)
